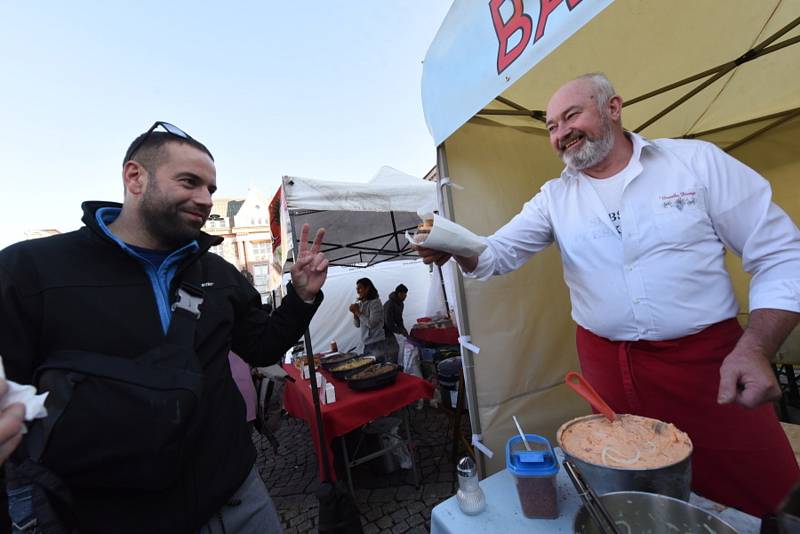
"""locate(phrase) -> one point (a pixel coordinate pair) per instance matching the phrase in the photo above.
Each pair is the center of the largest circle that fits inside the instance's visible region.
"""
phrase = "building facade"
(244, 225)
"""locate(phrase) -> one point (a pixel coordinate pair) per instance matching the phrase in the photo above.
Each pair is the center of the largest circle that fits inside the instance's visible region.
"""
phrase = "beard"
(163, 221)
(594, 149)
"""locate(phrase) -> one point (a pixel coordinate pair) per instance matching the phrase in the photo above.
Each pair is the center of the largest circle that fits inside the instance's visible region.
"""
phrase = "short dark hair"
(401, 289)
(151, 152)
(372, 292)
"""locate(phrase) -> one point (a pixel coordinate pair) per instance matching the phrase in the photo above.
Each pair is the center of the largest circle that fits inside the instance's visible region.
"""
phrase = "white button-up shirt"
(683, 202)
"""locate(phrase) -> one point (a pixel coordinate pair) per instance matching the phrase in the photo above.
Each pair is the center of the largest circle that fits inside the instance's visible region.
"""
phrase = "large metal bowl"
(673, 480)
(639, 512)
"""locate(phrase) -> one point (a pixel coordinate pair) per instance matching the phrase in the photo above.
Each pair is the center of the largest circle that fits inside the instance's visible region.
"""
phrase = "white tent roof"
(388, 190)
(365, 222)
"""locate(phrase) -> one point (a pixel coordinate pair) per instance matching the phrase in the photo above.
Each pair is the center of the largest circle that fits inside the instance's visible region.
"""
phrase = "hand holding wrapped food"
(440, 234)
(423, 230)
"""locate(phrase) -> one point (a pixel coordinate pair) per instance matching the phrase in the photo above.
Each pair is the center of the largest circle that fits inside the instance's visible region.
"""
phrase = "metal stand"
(358, 460)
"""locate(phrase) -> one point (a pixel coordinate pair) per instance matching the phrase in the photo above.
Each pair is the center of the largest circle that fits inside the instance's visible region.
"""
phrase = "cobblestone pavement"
(388, 503)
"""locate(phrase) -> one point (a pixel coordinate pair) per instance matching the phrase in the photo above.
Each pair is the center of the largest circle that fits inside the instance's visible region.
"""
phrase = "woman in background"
(368, 316)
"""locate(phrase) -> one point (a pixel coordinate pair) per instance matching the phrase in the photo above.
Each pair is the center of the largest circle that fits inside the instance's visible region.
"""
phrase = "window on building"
(216, 249)
(260, 277)
(259, 250)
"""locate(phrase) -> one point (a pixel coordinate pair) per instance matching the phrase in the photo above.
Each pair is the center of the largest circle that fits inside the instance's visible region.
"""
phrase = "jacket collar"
(90, 219)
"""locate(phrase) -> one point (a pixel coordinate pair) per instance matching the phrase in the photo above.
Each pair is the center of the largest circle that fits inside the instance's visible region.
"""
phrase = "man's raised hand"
(310, 269)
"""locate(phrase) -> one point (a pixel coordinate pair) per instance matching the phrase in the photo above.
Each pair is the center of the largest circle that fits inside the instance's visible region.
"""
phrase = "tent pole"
(766, 128)
(771, 116)
(467, 357)
(444, 293)
(312, 373)
(759, 50)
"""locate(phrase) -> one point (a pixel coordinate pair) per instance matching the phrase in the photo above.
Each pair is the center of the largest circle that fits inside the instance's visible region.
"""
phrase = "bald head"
(594, 88)
(584, 119)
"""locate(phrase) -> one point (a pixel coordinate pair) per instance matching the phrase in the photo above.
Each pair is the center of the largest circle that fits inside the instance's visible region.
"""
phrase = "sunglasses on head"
(169, 128)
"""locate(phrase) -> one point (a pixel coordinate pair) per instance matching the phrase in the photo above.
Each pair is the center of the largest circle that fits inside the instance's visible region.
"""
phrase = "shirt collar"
(639, 143)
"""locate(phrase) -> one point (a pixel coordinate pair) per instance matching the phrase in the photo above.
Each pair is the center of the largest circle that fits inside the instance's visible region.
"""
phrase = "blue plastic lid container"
(535, 472)
(539, 462)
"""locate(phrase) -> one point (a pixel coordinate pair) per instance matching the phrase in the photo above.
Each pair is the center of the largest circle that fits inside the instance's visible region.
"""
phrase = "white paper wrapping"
(449, 237)
(25, 395)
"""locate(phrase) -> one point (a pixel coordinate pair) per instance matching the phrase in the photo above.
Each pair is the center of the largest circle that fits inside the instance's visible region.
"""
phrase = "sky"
(319, 88)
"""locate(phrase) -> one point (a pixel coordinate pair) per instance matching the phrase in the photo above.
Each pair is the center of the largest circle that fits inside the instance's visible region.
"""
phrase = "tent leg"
(467, 357)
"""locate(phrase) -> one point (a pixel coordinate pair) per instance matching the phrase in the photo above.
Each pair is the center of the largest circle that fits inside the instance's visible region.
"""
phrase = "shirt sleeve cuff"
(777, 295)
(485, 268)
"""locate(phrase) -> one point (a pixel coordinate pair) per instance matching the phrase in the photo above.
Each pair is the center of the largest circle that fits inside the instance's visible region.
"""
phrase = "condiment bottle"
(470, 496)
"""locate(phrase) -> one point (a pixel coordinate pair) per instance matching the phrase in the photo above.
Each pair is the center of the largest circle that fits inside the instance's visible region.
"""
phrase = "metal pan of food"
(335, 359)
(374, 377)
(351, 366)
(634, 511)
(632, 453)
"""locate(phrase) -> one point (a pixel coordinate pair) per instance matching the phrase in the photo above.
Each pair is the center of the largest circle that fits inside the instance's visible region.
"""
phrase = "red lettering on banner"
(518, 21)
(545, 8)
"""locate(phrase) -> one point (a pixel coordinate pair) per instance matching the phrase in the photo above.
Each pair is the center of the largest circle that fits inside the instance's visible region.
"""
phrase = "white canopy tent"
(333, 322)
(726, 72)
(365, 237)
(365, 222)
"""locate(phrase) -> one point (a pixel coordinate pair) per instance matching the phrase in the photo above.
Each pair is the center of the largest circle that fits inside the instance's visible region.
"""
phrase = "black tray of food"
(343, 370)
(335, 359)
(374, 377)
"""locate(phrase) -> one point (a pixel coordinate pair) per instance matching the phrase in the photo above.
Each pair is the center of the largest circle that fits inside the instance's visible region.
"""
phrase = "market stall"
(503, 512)
(365, 237)
(351, 409)
(725, 72)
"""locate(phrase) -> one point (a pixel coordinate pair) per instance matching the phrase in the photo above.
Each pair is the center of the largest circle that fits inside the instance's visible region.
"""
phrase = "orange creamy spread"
(631, 441)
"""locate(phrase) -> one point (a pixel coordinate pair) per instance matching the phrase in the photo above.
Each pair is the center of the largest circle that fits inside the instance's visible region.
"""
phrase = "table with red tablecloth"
(352, 409)
(435, 336)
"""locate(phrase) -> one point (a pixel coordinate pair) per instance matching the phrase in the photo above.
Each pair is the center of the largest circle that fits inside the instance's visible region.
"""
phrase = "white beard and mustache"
(594, 149)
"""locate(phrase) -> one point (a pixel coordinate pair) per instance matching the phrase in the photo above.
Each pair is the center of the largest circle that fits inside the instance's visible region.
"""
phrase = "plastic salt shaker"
(470, 496)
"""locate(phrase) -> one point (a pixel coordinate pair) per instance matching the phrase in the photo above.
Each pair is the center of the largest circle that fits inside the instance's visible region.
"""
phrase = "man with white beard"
(642, 227)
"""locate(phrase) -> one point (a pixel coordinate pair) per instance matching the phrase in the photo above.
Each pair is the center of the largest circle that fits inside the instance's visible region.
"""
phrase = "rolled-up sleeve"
(755, 228)
(529, 232)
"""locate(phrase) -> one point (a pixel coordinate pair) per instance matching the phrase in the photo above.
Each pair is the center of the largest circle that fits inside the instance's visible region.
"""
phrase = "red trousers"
(742, 457)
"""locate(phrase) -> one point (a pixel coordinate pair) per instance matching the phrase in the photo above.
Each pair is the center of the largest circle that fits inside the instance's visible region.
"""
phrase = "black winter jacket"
(82, 291)
(393, 316)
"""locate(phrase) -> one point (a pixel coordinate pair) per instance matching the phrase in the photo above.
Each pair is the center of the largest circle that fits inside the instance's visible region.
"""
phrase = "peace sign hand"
(310, 269)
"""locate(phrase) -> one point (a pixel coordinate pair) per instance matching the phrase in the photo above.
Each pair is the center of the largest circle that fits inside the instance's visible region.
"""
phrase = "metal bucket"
(634, 511)
(673, 480)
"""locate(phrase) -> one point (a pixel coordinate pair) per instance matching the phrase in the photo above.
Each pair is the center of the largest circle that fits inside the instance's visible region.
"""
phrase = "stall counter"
(503, 514)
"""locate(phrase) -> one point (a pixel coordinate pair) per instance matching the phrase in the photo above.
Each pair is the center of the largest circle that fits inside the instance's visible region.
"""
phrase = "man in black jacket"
(393, 322)
(111, 288)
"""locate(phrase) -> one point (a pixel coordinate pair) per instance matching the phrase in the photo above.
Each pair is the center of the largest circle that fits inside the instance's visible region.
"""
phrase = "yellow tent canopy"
(724, 71)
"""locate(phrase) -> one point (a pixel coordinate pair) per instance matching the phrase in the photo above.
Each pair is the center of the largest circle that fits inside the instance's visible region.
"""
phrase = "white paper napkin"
(26, 395)
(449, 237)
